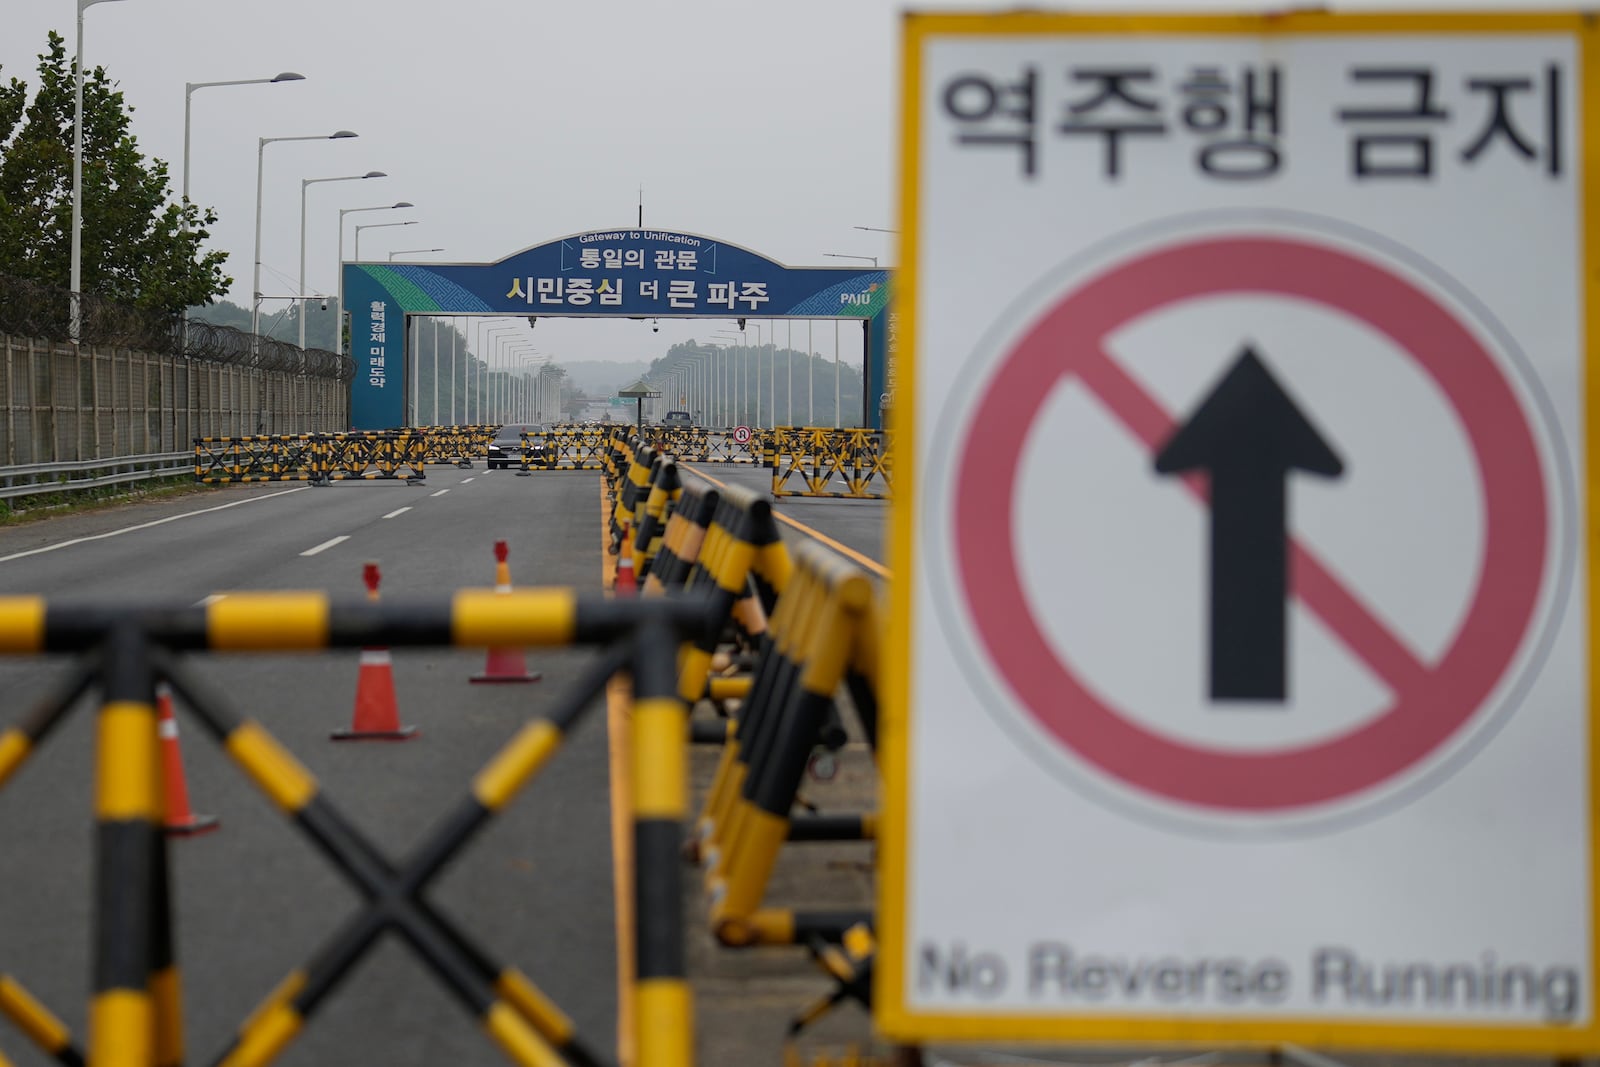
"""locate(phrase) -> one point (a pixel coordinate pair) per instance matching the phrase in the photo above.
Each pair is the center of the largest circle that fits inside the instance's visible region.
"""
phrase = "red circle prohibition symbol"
(1430, 702)
(741, 435)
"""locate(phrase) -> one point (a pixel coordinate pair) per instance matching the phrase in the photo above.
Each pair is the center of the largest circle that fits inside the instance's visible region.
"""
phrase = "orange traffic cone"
(377, 717)
(180, 819)
(625, 584)
(504, 664)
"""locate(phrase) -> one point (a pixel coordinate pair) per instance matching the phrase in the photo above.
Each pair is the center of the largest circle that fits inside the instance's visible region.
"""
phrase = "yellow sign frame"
(892, 1016)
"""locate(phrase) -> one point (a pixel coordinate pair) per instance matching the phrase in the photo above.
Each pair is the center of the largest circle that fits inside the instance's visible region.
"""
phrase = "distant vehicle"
(506, 448)
(677, 418)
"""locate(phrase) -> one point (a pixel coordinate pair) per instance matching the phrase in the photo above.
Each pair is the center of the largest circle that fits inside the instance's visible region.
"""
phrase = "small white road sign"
(1240, 673)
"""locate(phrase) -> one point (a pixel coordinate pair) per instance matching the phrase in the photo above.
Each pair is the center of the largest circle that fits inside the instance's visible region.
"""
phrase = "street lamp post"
(490, 396)
(376, 226)
(75, 320)
(304, 184)
(845, 255)
(529, 389)
(342, 213)
(261, 156)
(511, 396)
(411, 251)
(188, 110)
(188, 95)
(760, 346)
(730, 375)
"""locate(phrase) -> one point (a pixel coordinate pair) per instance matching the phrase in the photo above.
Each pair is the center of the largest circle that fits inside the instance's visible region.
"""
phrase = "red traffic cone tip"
(500, 552)
(180, 819)
(377, 715)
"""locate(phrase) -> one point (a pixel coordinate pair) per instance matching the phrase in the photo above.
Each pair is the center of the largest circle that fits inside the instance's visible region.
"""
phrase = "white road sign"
(1240, 679)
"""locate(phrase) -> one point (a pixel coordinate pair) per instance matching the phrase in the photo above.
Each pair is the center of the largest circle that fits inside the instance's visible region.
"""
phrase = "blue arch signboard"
(626, 273)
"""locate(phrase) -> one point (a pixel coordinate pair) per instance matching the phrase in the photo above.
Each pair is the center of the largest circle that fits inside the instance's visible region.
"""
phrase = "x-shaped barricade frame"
(135, 1016)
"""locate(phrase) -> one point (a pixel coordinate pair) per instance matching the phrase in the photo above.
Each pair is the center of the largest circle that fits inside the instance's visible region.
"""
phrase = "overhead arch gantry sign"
(619, 273)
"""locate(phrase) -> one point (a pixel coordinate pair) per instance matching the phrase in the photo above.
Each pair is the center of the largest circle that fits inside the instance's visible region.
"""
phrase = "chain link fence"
(144, 382)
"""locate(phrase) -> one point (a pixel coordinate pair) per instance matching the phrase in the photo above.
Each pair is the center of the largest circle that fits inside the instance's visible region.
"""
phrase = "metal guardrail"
(36, 478)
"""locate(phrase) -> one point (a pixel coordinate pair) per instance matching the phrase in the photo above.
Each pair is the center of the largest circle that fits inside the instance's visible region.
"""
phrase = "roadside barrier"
(356, 456)
(723, 543)
(629, 490)
(789, 633)
(278, 458)
(504, 665)
(823, 635)
(377, 712)
(134, 1012)
(455, 444)
(742, 561)
(316, 458)
(849, 964)
(811, 461)
(564, 450)
(700, 445)
(665, 488)
(680, 544)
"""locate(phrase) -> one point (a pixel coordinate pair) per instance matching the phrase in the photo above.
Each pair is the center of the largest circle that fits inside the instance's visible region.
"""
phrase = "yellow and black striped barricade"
(821, 633)
(722, 447)
(351, 456)
(375, 456)
(447, 444)
(744, 565)
(614, 456)
(629, 493)
(854, 464)
(849, 964)
(134, 1015)
(680, 542)
(406, 456)
(584, 449)
(260, 458)
(665, 489)
(562, 450)
(700, 445)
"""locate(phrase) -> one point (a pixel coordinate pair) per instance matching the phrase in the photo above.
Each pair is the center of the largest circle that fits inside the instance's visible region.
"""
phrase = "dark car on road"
(506, 448)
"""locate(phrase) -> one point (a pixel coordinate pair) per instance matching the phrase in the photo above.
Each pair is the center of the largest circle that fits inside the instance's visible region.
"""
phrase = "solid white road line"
(207, 601)
(146, 525)
(398, 511)
(326, 545)
(441, 492)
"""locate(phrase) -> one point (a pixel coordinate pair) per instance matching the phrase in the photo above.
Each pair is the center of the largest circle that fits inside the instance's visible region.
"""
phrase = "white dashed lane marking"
(326, 545)
(397, 511)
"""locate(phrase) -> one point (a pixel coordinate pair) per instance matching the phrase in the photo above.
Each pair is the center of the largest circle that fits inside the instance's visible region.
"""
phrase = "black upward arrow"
(1249, 435)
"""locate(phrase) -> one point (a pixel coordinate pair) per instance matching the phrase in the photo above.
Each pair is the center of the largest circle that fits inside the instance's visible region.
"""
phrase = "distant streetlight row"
(76, 281)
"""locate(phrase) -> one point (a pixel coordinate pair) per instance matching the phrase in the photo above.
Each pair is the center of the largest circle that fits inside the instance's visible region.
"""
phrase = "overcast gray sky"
(770, 125)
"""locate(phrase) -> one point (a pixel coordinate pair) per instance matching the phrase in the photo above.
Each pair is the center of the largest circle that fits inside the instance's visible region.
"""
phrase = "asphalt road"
(255, 899)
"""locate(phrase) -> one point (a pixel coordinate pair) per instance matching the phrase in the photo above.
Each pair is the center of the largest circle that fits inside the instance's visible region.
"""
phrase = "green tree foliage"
(136, 249)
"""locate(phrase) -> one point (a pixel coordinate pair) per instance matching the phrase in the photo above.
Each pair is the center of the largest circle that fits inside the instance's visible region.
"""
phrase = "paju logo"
(861, 298)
